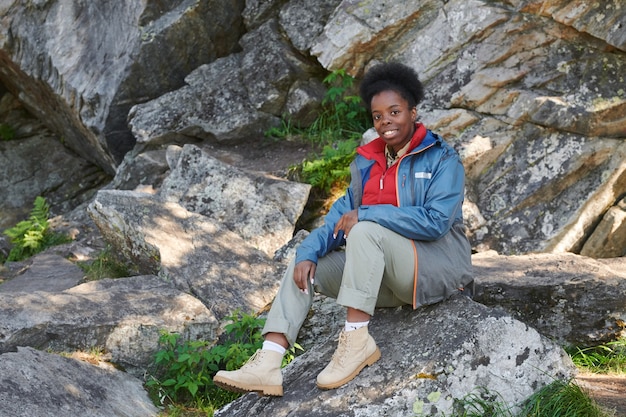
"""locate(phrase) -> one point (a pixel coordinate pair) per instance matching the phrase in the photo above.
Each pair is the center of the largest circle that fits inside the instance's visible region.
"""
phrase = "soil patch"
(609, 391)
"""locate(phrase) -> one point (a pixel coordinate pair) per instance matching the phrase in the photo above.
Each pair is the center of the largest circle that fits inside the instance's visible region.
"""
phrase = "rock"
(187, 249)
(123, 316)
(27, 172)
(601, 20)
(571, 299)
(304, 102)
(215, 89)
(263, 210)
(34, 383)
(81, 67)
(608, 240)
(431, 357)
(245, 94)
(141, 171)
(47, 272)
(303, 21)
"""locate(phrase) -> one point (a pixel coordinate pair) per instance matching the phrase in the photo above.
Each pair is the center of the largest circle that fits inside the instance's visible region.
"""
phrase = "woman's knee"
(364, 230)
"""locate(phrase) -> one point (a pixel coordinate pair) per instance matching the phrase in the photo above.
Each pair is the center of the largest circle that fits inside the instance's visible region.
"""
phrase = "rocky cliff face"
(149, 117)
(531, 93)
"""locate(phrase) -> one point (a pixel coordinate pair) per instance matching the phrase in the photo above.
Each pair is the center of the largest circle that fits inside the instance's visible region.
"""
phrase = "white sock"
(268, 345)
(355, 326)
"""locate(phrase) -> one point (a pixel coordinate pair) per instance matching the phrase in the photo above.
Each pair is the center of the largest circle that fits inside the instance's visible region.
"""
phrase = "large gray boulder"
(262, 209)
(574, 300)
(243, 94)
(187, 249)
(123, 316)
(79, 67)
(36, 163)
(40, 384)
(431, 358)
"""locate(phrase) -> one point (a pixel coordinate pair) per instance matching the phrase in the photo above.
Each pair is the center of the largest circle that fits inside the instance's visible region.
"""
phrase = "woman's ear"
(414, 113)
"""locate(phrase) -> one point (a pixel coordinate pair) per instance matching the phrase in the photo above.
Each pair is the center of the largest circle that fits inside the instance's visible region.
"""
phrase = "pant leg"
(291, 307)
(376, 270)
(379, 269)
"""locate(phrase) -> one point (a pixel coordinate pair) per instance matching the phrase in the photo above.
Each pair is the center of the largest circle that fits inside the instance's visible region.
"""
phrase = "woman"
(402, 226)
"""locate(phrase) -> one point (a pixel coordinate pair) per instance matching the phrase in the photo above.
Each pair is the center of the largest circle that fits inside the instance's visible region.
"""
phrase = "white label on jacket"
(425, 175)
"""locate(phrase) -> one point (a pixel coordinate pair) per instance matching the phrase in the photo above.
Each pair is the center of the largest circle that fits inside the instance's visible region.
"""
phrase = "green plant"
(6, 132)
(332, 167)
(343, 116)
(561, 399)
(184, 370)
(337, 129)
(105, 265)
(558, 399)
(606, 358)
(32, 236)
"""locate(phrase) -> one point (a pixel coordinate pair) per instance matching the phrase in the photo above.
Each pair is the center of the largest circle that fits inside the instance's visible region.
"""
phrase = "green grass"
(562, 399)
(608, 358)
(558, 399)
(105, 265)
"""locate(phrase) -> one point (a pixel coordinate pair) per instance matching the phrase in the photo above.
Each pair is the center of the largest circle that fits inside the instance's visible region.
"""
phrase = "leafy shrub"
(32, 236)
(343, 117)
(332, 167)
(184, 370)
(337, 129)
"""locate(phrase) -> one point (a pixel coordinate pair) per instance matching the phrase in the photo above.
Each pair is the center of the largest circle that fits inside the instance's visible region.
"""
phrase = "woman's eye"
(376, 117)
(395, 112)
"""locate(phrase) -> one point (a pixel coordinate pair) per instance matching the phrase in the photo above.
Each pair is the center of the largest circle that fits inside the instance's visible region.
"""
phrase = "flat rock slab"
(123, 316)
(47, 272)
(572, 299)
(40, 384)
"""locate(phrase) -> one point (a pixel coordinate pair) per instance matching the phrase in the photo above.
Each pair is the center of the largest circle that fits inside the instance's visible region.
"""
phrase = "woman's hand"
(304, 273)
(346, 222)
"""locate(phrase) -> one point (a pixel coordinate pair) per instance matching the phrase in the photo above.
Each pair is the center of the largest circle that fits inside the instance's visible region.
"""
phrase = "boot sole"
(367, 362)
(262, 390)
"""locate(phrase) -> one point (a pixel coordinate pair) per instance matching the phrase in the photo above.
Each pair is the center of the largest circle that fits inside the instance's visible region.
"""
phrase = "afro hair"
(391, 76)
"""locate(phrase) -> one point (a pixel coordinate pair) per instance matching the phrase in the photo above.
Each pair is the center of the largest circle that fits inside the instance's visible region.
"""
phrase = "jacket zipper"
(404, 175)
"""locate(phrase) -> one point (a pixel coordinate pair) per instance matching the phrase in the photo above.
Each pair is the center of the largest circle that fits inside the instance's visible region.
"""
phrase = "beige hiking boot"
(261, 374)
(356, 350)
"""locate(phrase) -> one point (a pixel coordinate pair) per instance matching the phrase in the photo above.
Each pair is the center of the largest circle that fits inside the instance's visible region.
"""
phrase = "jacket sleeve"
(441, 206)
(320, 241)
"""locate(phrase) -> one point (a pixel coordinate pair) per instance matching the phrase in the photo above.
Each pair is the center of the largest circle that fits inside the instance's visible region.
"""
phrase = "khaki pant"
(376, 270)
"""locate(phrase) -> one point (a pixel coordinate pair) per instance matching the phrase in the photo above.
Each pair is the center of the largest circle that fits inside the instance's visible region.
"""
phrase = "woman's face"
(393, 119)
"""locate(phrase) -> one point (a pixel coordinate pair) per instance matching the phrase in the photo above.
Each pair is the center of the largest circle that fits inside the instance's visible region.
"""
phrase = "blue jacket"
(430, 187)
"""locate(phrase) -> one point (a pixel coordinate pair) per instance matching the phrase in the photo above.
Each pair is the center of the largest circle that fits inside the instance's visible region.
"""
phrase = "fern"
(333, 166)
(32, 236)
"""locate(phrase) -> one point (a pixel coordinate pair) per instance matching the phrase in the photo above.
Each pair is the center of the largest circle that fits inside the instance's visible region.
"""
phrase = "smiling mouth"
(390, 132)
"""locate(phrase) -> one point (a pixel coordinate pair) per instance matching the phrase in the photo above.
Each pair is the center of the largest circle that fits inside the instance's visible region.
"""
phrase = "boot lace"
(343, 348)
(254, 360)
